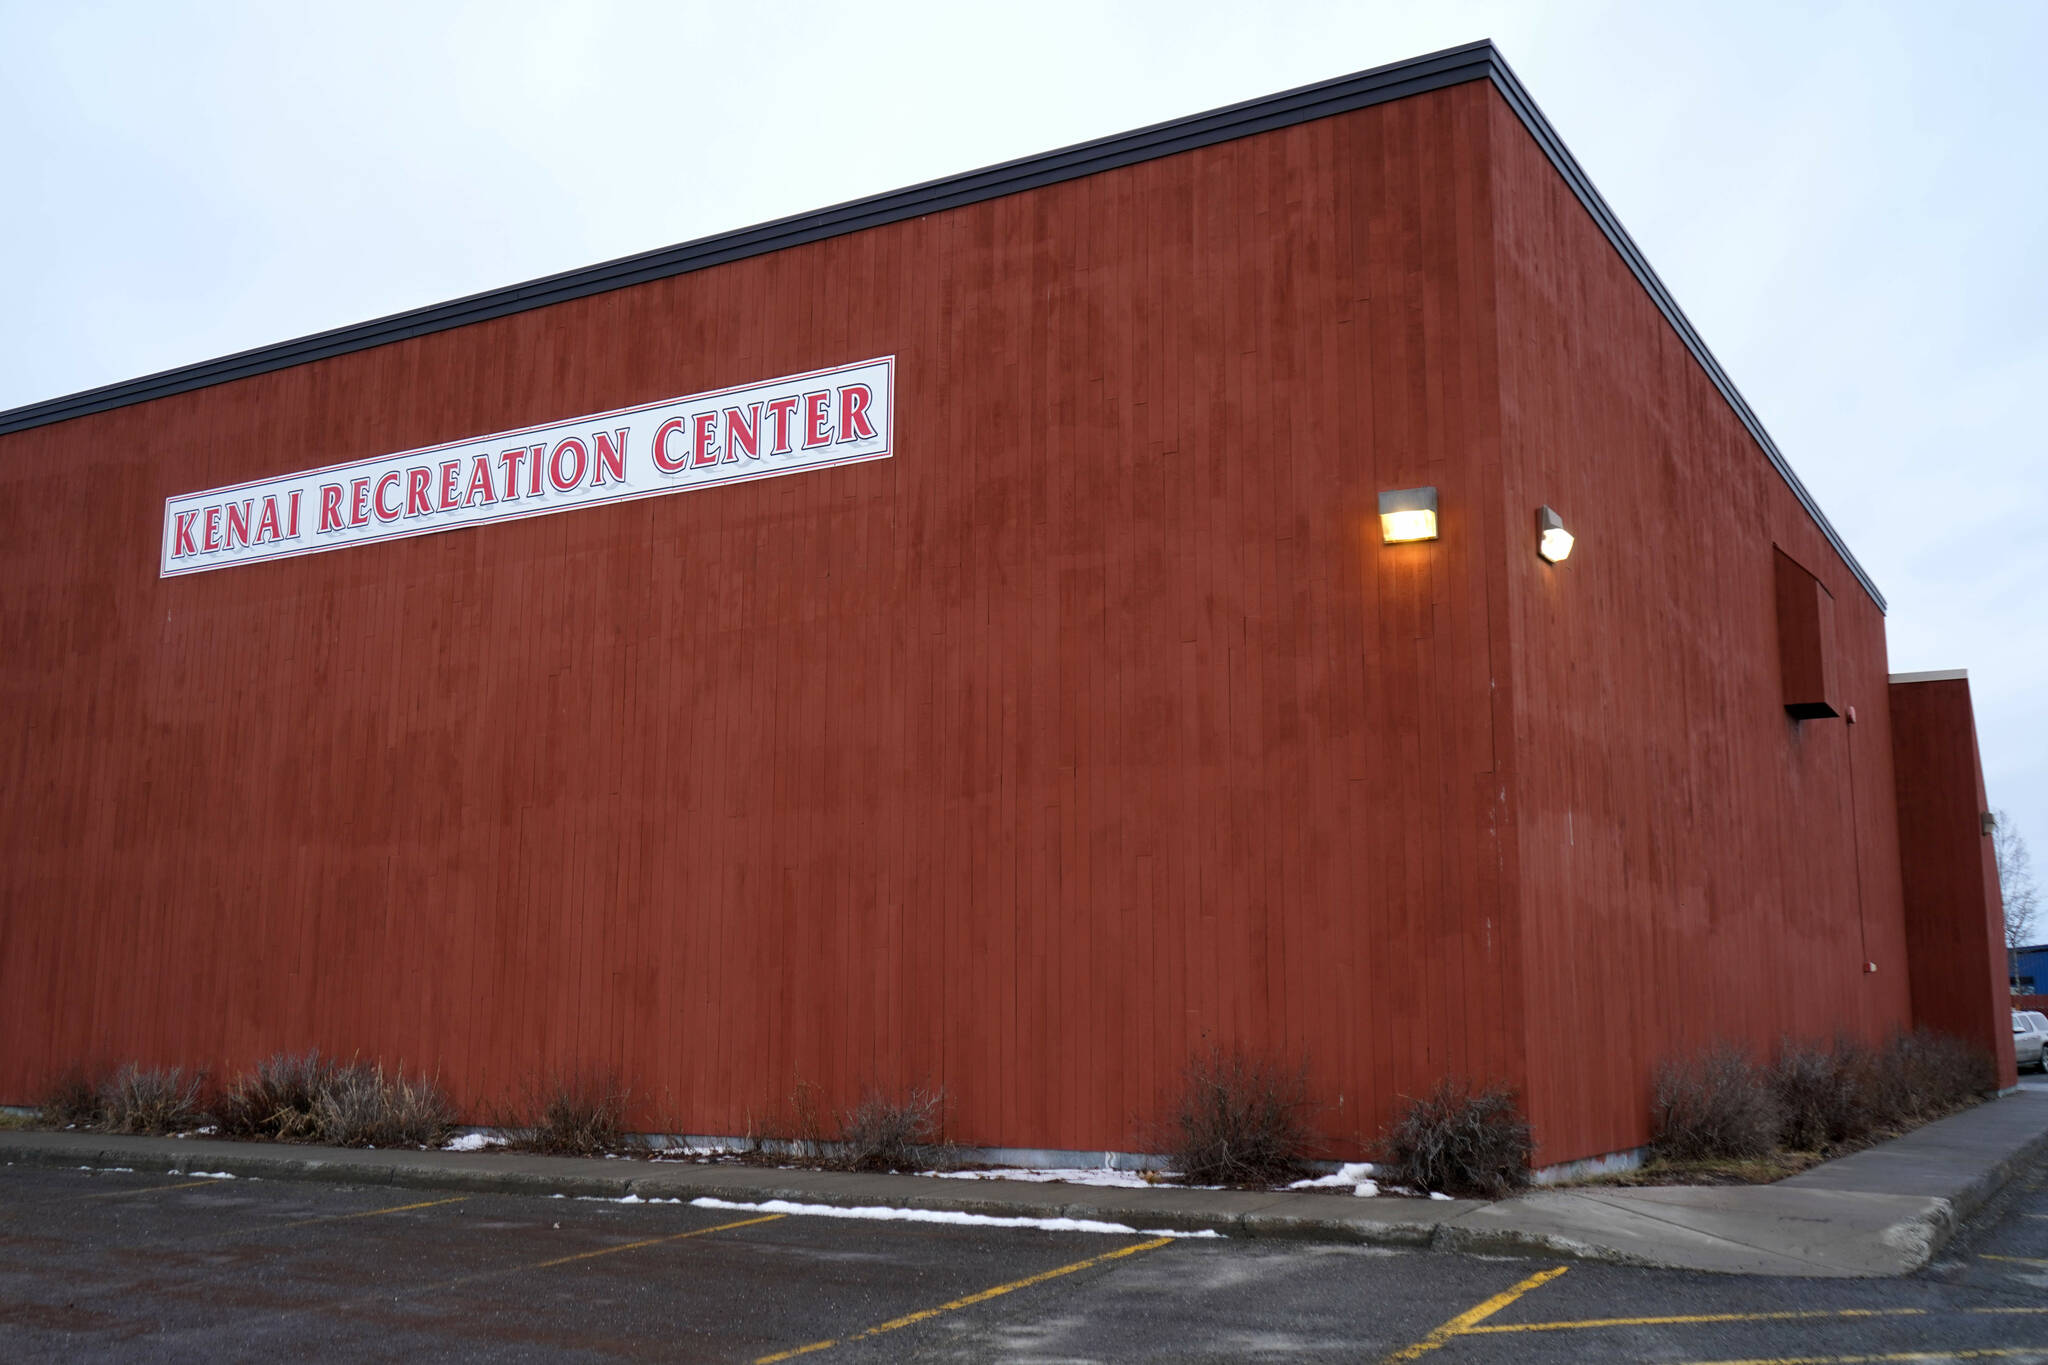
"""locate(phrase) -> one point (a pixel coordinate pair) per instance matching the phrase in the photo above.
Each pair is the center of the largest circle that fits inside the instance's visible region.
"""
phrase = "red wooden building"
(1060, 709)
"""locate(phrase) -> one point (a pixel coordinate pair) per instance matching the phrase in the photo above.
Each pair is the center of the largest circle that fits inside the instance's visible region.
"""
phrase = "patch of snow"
(1357, 1175)
(973, 1220)
(472, 1142)
(1439, 1194)
(1101, 1176)
(205, 1175)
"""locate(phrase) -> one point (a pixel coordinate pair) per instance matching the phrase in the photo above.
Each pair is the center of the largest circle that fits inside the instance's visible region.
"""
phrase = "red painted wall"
(1692, 864)
(1093, 724)
(1955, 918)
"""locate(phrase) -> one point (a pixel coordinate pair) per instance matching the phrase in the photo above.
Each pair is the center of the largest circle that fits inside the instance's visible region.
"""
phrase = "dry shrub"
(279, 1099)
(1241, 1120)
(1923, 1075)
(1458, 1142)
(1823, 1095)
(72, 1101)
(360, 1106)
(304, 1097)
(581, 1114)
(893, 1132)
(1716, 1105)
(140, 1099)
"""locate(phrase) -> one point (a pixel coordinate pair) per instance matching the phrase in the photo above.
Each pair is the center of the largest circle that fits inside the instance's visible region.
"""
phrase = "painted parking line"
(1473, 1316)
(339, 1217)
(1703, 1319)
(148, 1189)
(2013, 1260)
(1905, 1357)
(982, 1296)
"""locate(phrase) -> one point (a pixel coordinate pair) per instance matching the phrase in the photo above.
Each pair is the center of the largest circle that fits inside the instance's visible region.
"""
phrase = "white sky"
(1847, 200)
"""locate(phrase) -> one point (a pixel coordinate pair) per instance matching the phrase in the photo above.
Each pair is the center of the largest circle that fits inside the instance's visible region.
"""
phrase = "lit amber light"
(1419, 524)
(1408, 514)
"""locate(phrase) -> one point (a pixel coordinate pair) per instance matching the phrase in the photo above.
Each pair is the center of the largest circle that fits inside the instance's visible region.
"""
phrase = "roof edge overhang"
(1435, 71)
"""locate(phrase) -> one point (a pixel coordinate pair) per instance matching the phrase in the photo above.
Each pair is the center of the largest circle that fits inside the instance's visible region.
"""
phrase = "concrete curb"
(1886, 1211)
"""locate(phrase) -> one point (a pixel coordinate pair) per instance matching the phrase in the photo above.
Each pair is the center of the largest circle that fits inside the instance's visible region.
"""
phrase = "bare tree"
(2015, 886)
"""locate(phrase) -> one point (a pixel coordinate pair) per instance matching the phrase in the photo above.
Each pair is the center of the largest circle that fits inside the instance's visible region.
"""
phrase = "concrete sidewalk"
(1885, 1211)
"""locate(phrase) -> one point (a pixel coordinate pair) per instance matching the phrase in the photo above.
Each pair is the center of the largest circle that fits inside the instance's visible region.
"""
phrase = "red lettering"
(818, 419)
(611, 457)
(780, 409)
(853, 413)
(419, 492)
(392, 480)
(533, 470)
(292, 518)
(479, 482)
(330, 507)
(359, 502)
(181, 544)
(449, 469)
(569, 445)
(743, 433)
(704, 439)
(238, 524)
(509, 462)
(661, 459)
(266, 526)
(211, 539)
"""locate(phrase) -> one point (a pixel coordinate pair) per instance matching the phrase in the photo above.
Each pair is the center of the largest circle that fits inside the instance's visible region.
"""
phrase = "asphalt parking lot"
(142, 1265)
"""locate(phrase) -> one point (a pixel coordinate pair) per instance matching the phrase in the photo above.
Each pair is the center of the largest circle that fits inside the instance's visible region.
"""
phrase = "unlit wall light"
(1408, 514)
(1553, 542)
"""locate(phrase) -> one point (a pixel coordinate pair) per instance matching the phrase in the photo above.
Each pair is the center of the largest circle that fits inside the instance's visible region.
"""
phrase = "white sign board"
(781, 426)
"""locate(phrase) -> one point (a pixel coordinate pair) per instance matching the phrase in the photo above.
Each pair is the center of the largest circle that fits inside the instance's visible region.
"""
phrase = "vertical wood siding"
(1955, 913)
(1093, 725)
(1693, 864)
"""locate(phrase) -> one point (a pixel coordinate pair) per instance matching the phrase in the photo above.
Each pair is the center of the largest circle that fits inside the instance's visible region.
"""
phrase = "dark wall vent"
(1806, 641)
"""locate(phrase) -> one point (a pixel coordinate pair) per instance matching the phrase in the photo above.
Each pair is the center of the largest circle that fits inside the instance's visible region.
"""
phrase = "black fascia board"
(1397, 80)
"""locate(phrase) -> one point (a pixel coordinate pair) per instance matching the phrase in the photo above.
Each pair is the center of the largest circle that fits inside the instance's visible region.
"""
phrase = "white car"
(2029, 1036)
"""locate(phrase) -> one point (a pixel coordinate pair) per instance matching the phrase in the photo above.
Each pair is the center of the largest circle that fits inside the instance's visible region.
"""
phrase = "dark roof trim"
(1453, 66)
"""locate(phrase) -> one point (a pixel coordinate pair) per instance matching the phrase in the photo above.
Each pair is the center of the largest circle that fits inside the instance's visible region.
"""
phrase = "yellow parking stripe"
(2012, 1260)
(983, 1296)
(1699, 1319)
(1476, 1314)
(635, 1246)
(150, 1189)
(1694, 1319)
(344, 1217)
(1934, 1357)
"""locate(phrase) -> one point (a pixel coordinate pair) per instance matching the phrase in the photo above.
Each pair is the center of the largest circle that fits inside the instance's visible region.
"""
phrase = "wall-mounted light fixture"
(1408, 514)
(1553, 542)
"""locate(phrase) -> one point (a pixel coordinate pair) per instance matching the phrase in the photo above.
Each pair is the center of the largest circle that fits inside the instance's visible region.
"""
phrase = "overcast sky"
(1848, 201)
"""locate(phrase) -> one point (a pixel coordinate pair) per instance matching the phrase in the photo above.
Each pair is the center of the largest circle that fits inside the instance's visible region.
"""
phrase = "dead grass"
(304, 1097)
(894, 1132)
(279, 1098)
(1756, 1170)
(156, 1100)
(362, 1106)
(572, 1114)
(71, 1101)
